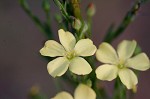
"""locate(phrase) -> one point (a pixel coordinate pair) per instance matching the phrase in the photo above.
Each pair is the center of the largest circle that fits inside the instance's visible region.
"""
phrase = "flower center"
(121, 64)
(70, 55)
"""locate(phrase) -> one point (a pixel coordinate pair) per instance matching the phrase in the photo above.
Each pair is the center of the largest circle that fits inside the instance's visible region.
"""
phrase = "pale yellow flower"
(81, 92)
(118, 63)
(69, 54)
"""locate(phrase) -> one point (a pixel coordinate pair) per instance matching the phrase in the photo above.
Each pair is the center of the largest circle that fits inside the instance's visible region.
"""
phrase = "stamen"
(120, 66)
(70, 55)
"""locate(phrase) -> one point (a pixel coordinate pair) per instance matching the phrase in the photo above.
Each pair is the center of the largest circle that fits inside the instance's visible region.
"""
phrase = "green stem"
(46, 8)
(62, 9)
(57, 84)
(119, 90)
(48, 19)
(89, 27)
(100, 92)
(35, 19)
(81, 34)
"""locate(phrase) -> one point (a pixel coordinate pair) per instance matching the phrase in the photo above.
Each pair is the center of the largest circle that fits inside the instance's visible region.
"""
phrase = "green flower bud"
(34, 90)
(46, 5)
(89, 83)
(58, 18)
(76, 24)
(91, 10)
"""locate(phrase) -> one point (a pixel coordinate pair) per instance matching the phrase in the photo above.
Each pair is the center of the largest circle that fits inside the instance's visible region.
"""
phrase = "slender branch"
(100, 92)
(89, 27)
(62, 9)
(35, 19)
(46, 8)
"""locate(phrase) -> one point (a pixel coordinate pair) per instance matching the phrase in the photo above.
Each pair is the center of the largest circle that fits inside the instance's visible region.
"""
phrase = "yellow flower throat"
(70, 55)
(121, 65)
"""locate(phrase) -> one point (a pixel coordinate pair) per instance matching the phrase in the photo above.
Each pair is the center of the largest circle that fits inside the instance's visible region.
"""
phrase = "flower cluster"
(70, 54)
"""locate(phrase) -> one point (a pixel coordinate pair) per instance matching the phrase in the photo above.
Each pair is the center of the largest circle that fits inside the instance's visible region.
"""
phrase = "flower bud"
(76, 24)
(46, 5)
(91, 10)
(58, 18)
(34, 90)
(89, 83)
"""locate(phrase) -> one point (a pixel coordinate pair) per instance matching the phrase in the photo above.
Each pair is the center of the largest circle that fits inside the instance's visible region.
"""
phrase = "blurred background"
(21, 65)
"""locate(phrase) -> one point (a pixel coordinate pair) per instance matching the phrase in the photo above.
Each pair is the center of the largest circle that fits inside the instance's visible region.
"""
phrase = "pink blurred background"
(20, 40)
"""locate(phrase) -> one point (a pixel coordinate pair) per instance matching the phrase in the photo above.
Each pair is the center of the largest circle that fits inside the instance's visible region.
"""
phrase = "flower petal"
(63, 95)
(106, 72)
(85, 47)
(80, 66)
(139, 62)
(126, 49)
(52, 49)
(84, 92)
(128, 78)
(106, 54)
(58, 66)
(67, 39)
